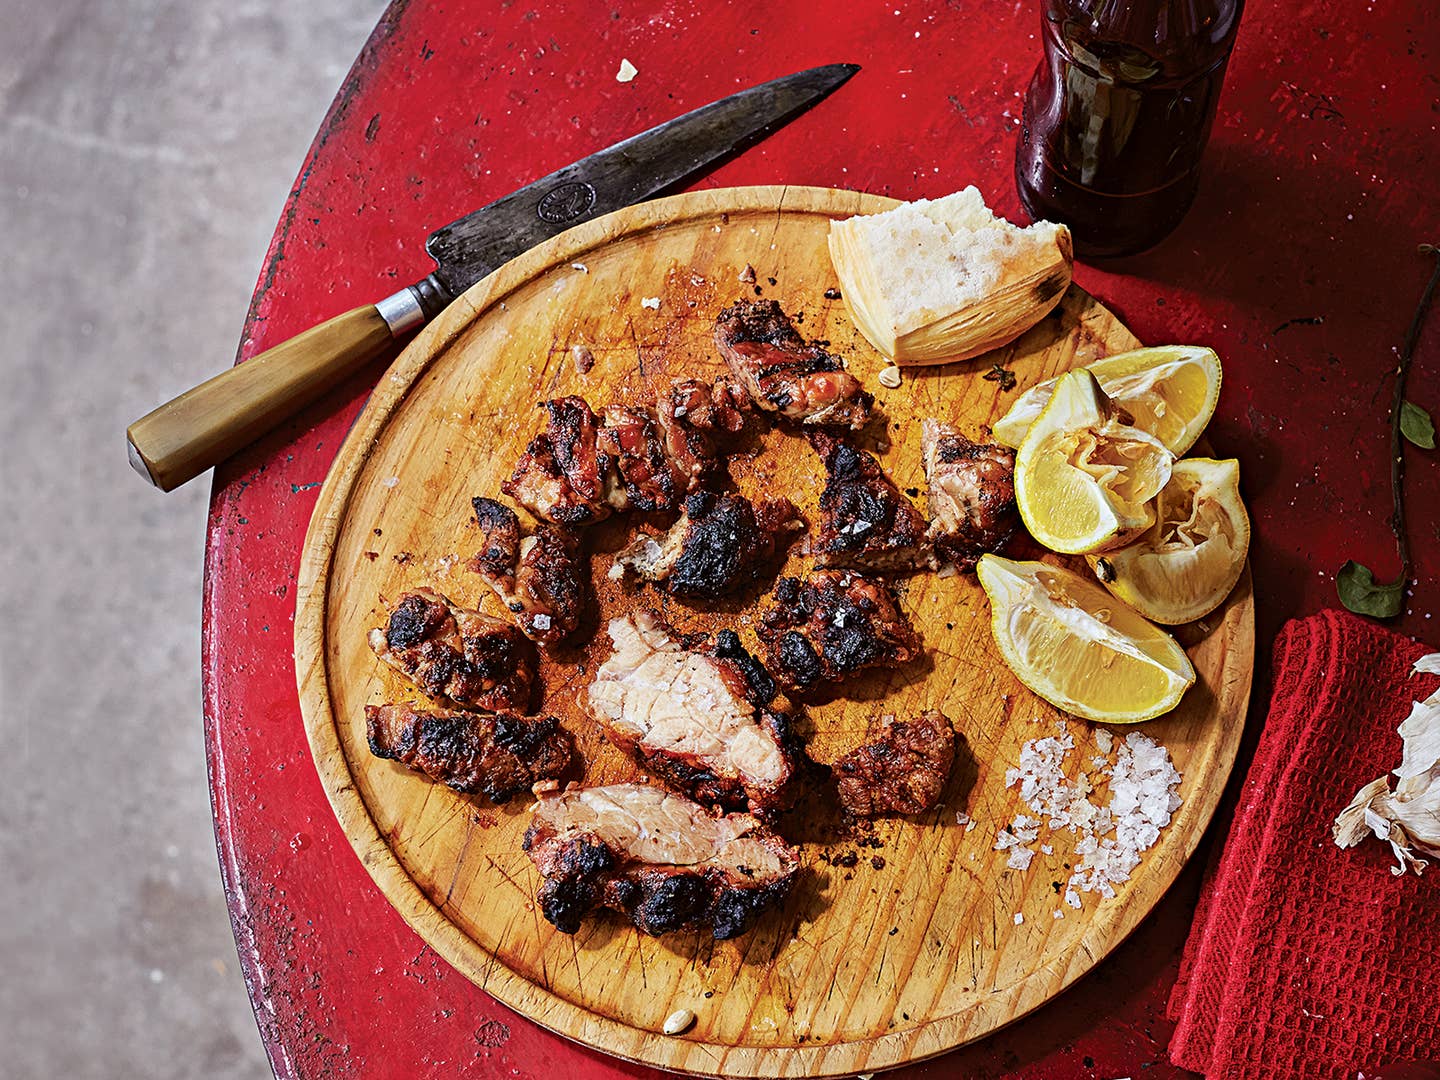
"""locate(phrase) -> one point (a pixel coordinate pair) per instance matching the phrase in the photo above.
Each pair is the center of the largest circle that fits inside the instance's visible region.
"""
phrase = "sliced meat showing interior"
(698, 719)
(972, 494)
(660, 859)
(497, 755)
(455, 655)
(902, 772)
(785, 374)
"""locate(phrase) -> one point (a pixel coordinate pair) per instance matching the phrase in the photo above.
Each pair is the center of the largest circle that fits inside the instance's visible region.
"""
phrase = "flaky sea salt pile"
(1142, 789)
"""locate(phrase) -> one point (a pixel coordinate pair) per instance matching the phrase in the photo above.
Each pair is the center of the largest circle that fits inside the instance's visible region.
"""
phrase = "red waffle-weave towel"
(1306, 961)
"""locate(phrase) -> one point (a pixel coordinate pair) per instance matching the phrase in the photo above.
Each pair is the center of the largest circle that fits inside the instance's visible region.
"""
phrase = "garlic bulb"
(1408, 818)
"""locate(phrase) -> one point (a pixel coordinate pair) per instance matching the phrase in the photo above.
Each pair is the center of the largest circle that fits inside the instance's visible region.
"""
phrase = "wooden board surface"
(865, 967)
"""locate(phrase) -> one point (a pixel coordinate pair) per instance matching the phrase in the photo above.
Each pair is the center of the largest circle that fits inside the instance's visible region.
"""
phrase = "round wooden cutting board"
(907, 949)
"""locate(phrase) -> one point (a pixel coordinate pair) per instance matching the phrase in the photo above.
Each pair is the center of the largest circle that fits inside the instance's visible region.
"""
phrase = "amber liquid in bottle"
(1118, 114)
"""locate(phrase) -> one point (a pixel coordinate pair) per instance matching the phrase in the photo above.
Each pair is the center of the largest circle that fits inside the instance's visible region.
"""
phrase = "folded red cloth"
(1307, 961)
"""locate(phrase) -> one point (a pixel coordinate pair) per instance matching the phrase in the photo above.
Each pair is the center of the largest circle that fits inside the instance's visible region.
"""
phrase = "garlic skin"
(678, 1021)
(1408, 818)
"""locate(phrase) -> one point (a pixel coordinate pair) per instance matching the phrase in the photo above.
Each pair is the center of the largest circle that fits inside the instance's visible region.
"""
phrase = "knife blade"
(199, 429)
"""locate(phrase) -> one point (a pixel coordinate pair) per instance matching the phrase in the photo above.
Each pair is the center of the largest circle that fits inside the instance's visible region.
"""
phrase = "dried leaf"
(1004, 376)
(1416, 425)
(1360, 592)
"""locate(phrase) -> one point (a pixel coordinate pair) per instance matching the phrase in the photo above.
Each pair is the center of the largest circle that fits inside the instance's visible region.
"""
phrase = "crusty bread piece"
(937, 281)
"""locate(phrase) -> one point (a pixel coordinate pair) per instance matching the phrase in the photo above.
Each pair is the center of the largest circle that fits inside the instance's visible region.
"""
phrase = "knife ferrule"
(401, 311)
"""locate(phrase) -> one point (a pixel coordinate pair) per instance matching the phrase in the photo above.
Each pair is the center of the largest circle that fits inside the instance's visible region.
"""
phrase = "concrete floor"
(146, 149)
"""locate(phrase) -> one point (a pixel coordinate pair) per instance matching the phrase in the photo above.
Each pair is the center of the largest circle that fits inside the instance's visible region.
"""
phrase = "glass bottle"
(1118, 114)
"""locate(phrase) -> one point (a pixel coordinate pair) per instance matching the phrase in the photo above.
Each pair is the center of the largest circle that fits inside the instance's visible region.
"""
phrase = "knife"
(208, 423)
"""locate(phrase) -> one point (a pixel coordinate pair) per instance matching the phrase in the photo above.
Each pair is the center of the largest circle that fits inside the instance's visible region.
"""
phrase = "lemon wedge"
(1171, 391)
(1084, 478)
(1079, 648)
(1185, 565)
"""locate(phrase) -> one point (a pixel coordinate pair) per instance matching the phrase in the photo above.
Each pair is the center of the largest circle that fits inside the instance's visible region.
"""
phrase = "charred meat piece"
(865, 521)
(903, 772)
(631, 438)
(695, 419)
(832, 625)
(972, 494)
(783, 372)
(659, 858)
(563, 476)
(574, 431)
(538, 484)
(697, 719)
(719, 543)
(463, 657)
(476, 753)
(541, 577)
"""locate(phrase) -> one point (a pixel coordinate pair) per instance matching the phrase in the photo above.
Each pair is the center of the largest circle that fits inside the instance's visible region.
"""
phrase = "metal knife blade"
(628, 172)
(209, 422)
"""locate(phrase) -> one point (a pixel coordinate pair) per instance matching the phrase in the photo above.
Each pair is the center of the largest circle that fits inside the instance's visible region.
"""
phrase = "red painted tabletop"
(1298, 264)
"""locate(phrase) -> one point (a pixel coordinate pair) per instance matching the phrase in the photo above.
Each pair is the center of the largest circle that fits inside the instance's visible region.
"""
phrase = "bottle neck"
(1134, 41)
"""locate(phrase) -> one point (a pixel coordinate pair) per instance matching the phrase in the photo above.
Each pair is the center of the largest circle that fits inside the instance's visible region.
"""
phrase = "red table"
(1298, 264)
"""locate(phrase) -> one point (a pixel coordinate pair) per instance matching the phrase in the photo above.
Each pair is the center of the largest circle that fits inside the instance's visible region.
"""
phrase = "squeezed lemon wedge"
(1170, 391)
(1084, 478)
(1185, 565)
(1080, 649)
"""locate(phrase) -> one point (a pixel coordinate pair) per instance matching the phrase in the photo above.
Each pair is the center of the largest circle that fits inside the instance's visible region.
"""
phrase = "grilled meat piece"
(832, 625)
(903, 772)
(659, 858)
(695, 418)
(697, 719)
(452, 654)
(972, 494)
(496, 756)
(865, 521)
(581, 468)
(719, 543)
(539, 485)
(783, 372)
(563, 476)
(632, 439)
(574, 432)
(541, 577)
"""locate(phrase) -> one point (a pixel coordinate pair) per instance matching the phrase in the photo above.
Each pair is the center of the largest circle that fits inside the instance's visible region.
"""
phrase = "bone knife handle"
(205, 425)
